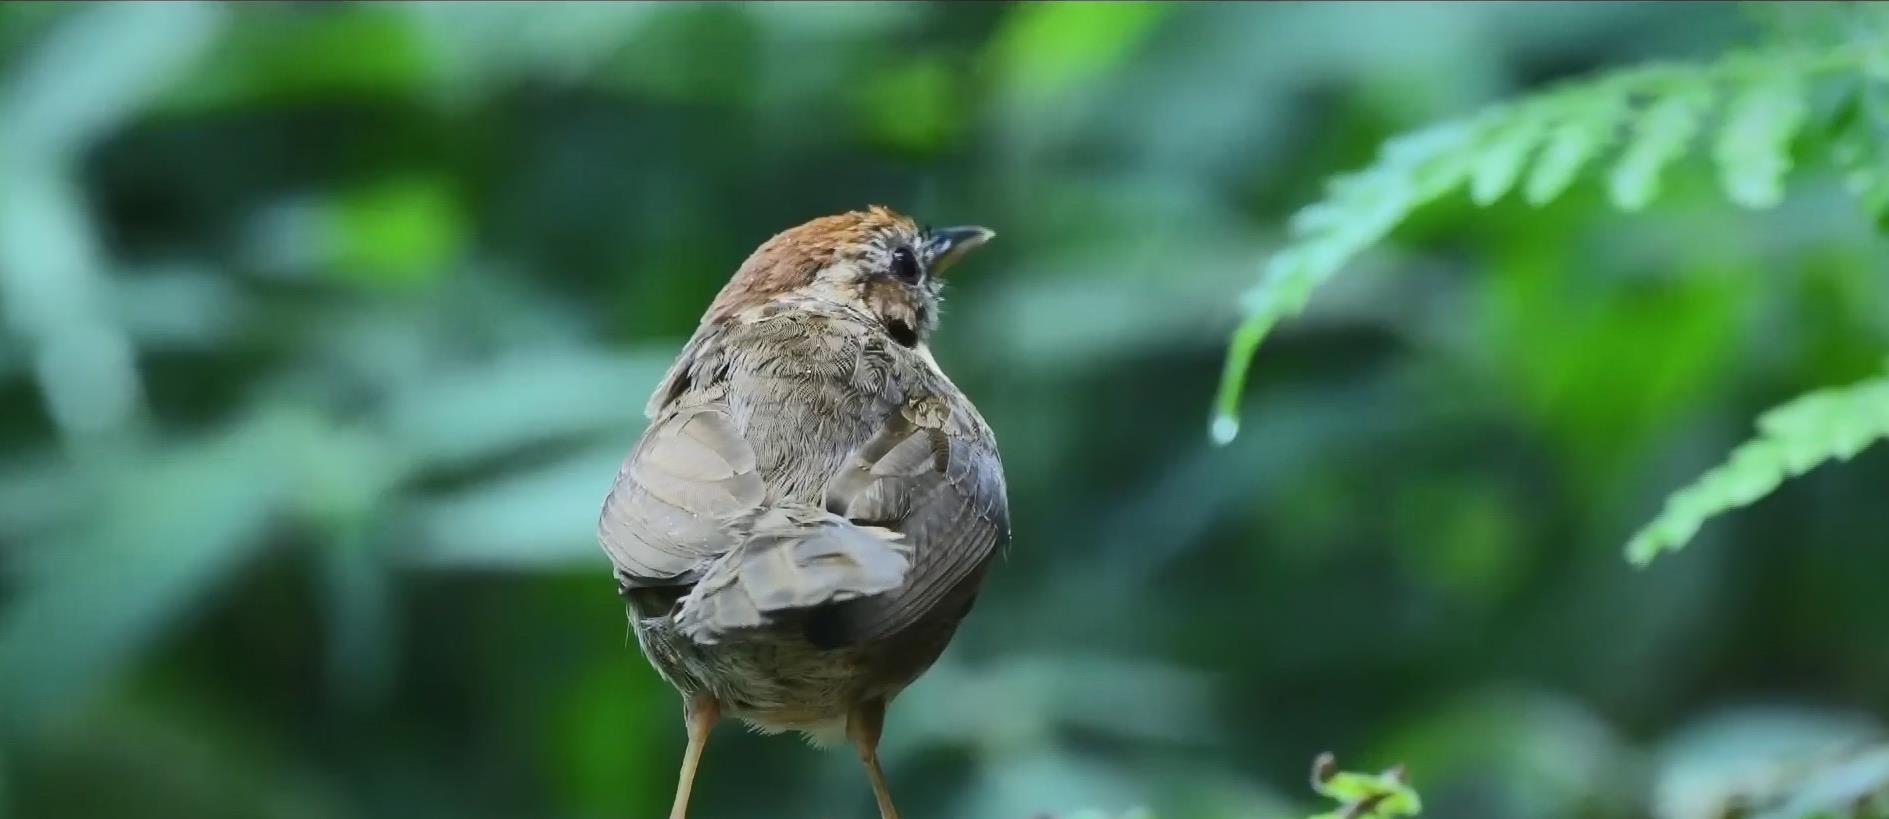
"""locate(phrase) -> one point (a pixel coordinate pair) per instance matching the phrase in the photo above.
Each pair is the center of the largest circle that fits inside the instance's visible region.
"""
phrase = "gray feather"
(793, 558)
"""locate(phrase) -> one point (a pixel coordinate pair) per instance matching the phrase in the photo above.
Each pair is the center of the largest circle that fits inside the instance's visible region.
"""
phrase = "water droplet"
(1225, 428)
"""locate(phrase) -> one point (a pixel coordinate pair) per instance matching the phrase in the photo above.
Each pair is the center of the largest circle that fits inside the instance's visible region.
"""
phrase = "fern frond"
(1792, 439)
(1543, 143)
(1358, 210)
(1753, 146)
(1861, 147)
(1588, 127)
(1504, 150)
(1667, 125)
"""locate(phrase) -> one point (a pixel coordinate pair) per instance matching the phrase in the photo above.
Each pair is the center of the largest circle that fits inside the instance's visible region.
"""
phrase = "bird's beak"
(948, 245)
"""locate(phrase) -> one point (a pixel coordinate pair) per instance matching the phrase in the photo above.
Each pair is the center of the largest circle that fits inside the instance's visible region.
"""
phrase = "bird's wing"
(795, 557)
(678, 496)
(937, 481)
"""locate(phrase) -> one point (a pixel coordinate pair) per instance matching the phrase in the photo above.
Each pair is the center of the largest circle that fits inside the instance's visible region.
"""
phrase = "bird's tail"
(794, 557)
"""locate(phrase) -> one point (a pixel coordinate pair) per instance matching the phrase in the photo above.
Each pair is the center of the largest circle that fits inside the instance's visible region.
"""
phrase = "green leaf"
(1504, 154)
(1048, 48)
(1661, 135)
(1357, 211)
(1364, 796)
(98, 67)
(1792, 439)
(1568, 127)
(914, 107)
(1753, 150)
(1587, 128)
(1861, 148)
(398, 234)
(345, 52)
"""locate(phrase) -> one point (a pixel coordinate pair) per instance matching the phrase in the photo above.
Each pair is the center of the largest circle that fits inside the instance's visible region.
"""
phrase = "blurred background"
(326, 327)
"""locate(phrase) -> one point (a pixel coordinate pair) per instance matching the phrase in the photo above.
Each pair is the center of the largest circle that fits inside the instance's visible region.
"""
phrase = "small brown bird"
(813, 506)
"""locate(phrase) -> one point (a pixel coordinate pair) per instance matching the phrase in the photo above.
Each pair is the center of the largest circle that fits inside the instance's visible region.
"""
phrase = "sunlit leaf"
(913, 107)
(1364, 796)
(397, 233)
(1046, 48)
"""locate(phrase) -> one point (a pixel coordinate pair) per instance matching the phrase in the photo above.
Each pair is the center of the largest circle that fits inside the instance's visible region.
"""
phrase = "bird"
(813, 505)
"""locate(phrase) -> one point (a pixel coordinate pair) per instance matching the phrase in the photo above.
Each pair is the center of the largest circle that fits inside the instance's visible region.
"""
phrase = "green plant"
(1387, 795)
(1750, 105)
(1795, 438)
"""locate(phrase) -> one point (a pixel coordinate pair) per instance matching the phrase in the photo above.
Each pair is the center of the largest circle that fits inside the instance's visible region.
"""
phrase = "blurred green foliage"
(327, 325)
(1658, 110)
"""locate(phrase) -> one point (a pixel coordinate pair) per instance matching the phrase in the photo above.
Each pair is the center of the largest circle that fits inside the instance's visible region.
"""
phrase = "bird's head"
(872, 260)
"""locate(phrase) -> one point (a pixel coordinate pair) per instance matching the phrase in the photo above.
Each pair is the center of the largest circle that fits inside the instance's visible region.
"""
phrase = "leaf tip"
(1641, 551)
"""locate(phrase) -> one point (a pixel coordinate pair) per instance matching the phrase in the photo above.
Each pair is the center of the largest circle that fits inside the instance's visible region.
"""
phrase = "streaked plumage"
(809, 514)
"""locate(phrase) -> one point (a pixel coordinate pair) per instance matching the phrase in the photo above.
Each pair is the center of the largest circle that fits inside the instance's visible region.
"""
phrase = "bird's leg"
(700, 714)
(862, 727)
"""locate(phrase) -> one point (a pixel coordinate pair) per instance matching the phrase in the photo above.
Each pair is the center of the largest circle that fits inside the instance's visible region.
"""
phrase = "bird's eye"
(905, 265)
